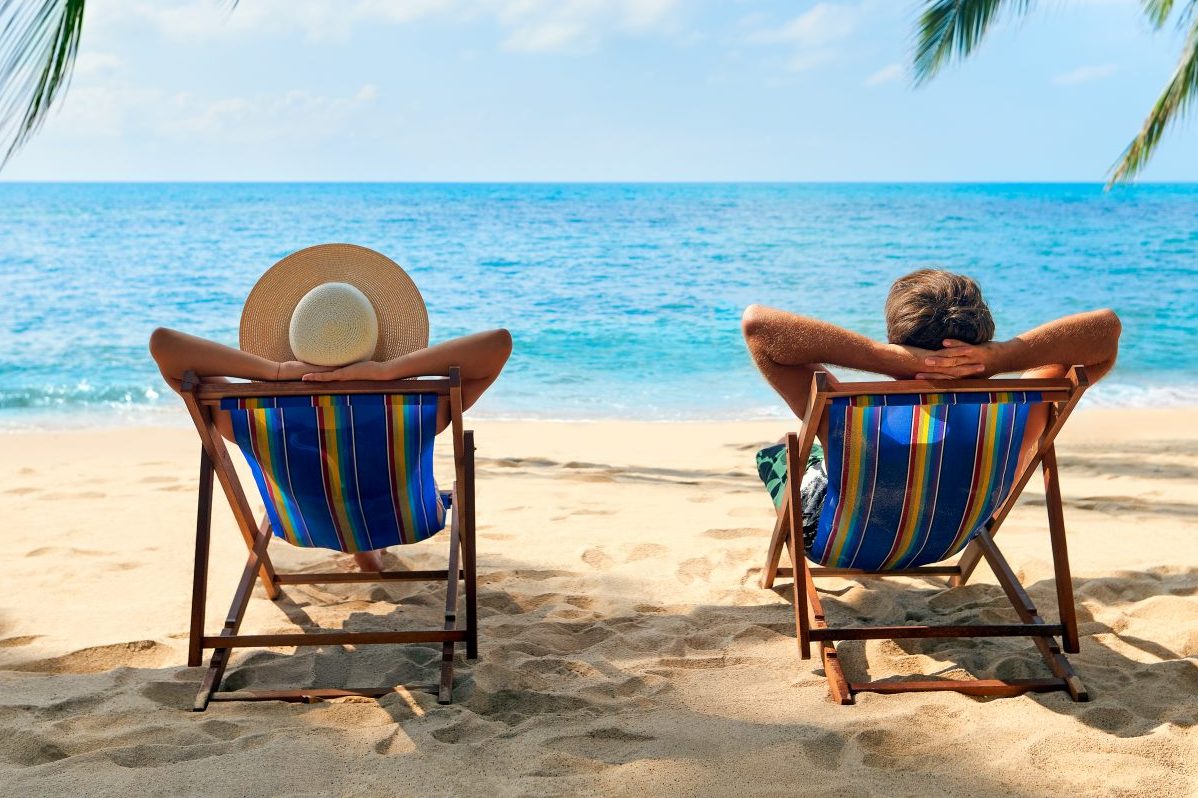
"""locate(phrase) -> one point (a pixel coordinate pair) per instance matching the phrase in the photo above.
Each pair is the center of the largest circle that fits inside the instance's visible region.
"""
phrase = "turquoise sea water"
(624, 300)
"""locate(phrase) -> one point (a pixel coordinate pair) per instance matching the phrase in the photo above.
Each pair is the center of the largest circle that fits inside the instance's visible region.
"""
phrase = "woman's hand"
(365, 370)
(296, 369)
(958, 359)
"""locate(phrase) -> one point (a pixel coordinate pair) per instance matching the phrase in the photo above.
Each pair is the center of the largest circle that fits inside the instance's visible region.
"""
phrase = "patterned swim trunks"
(771, 467)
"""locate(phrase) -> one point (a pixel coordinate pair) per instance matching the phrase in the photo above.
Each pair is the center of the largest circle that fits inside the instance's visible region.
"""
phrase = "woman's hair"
(929, 305)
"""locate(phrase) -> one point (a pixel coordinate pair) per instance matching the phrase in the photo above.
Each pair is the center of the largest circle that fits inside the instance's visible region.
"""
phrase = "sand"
(626, 648)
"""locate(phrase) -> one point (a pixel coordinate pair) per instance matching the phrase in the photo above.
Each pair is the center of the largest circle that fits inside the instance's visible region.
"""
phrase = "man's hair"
(929, 305)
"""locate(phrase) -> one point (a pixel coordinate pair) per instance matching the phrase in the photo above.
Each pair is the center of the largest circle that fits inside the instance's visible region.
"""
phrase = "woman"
(280, 319)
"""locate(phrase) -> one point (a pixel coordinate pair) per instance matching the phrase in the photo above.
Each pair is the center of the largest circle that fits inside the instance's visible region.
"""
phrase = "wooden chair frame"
(811, 625)
(203, 400)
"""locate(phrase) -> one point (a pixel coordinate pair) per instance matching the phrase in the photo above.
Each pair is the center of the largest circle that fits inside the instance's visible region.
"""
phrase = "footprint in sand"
(750, 512)
(495, 536)
(467, 730)
(32, 749)
(87, 494)
(58, 551)
(696, 568)
(135, 654)
(596, 558)
(611, 745)
(733, 534)
(647, 551)
(13, 642)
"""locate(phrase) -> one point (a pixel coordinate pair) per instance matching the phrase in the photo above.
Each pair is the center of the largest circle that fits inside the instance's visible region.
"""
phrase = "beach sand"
(625, 645)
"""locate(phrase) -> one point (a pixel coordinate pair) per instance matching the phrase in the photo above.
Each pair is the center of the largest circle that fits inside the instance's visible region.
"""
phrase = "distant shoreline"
(165, 417)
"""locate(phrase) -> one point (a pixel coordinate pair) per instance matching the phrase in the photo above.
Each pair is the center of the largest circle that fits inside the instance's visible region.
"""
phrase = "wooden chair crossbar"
(811, 625)
(202, 400)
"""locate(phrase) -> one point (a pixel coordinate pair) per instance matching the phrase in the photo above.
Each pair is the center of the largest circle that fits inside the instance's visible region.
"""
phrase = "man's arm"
(788, 348)
(1089, 339)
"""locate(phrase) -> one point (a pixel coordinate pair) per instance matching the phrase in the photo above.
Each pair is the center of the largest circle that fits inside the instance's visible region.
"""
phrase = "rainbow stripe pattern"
(913, 477)
(350, 473)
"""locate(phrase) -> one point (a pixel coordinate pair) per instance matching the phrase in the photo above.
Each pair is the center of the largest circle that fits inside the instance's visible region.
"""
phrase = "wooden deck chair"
(339, 465)
(917, 472)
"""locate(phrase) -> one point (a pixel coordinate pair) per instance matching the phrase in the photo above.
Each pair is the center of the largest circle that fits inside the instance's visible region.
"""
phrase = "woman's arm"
(177, 352)
(1089, 339)
(480, 357)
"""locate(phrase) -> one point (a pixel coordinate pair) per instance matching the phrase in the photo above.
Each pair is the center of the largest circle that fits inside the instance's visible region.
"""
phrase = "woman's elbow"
(161, 341)
(501, 341)
(504, 339)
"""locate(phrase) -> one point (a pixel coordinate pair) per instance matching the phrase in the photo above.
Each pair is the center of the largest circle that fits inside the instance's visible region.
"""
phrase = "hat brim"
(402, 316)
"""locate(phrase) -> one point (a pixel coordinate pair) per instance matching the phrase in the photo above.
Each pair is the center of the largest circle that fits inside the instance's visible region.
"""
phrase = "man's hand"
(958, 359)
(365, 370)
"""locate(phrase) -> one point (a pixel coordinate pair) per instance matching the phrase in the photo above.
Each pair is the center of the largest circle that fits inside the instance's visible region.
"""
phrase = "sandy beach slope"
(626, 648)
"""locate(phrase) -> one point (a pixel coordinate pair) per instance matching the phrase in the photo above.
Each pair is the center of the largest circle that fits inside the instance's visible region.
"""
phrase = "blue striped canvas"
(350, 473)
(912, 478)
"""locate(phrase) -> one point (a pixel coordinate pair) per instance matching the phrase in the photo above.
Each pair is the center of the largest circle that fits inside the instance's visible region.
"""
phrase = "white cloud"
(528, 25)
(115, 111)
(823, 24)
(297, 114)
(1084, 74)
(817, 35)
(91, 62)
(549, 36)
(539, 26)
(887, 74)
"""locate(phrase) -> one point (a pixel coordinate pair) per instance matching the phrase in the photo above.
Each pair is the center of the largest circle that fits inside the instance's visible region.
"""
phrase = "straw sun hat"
(334, 304)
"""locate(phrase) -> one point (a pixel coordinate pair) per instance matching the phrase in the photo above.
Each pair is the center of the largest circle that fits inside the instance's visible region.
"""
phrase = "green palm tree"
(39, 40)
(38, 44)
(951, 29)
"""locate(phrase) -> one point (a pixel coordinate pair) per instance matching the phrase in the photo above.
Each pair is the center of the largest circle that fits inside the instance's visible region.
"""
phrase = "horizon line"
(136, 181)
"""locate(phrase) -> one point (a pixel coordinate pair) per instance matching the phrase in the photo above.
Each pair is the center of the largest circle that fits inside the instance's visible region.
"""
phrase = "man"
(938, 328)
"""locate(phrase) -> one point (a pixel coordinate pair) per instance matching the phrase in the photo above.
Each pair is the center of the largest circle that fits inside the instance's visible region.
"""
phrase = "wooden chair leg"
(445, 689)
(1057, 662)
(773, 555)
(199, 582)
(970, 558)
(241, 600)
(469, 552)
(1060, 551)
(838, 685)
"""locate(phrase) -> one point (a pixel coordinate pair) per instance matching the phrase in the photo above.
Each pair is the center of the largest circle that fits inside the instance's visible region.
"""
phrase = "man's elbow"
(1111, 325)
(752, 322)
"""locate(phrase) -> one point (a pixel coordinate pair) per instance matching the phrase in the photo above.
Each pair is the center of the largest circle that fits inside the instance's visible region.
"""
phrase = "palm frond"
(951, 29)
(38, 44)
(1173, 103)
(1158, 12)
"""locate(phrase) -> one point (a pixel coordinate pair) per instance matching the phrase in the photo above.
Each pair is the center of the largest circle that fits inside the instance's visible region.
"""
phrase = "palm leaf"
(951, 29)
(38, 44)
(1172, 104)
(1158, 11)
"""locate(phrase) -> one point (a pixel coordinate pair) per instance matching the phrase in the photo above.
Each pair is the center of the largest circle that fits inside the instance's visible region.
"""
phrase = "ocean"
(624, 300)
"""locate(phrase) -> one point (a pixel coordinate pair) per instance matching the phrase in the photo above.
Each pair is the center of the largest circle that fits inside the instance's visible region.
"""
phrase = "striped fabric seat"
(350, 473)
(913, 477)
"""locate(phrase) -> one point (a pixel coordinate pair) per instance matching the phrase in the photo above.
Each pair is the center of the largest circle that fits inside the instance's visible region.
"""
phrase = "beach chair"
(339, 465)
(917, 472)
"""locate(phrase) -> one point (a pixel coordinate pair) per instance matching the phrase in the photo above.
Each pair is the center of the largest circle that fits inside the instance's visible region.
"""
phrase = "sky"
(598, 90)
